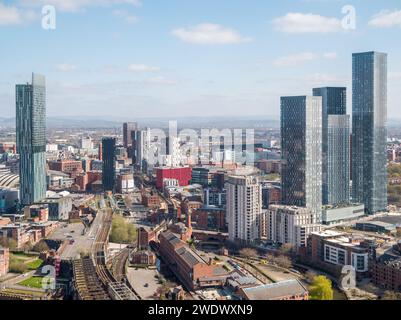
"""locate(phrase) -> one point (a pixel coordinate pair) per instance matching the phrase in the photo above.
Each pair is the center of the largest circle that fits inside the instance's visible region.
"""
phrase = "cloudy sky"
(157, 58)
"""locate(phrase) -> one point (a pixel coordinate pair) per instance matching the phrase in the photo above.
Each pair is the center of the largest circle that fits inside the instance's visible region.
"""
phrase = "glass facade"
(301, 141)
(334, 102)
(109, 164)
(369, 137)
(31, 138)
(338, 159)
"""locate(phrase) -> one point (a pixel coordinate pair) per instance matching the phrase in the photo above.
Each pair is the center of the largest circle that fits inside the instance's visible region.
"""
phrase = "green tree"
(321, 289)
(122, 231)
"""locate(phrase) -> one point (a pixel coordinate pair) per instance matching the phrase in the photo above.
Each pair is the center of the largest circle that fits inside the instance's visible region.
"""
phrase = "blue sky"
(129, 59)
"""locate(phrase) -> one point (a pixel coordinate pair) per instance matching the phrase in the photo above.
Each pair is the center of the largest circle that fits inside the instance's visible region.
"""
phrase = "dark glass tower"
(369, 130)
(109, 164)
(301, 143)
(338, 159)
(31, 138)
(128, 129)
(334, 102)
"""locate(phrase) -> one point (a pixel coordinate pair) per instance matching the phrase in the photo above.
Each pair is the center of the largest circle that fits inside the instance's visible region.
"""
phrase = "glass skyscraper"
(109, 164)
(338, 159)
(334, 102)
(369, 132)
(31, 138)
(301, 143)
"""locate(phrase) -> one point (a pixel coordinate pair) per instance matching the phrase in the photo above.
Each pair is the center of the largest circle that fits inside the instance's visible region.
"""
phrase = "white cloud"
(209, 33)
(294, 60)
(330, 55)
(161, 80)
(306, 23)
(126, 16)
(301, 58)
(77, 5)
(142, 68)
(65, 67)
(14, 16)
(386, 19)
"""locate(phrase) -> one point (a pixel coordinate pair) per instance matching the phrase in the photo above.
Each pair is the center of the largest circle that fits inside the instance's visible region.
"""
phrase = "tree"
(321, 289)
(122, 231)
(287, 248)
(283, 262)
(41, 246)
(248, 253)
(8, 243)
(310, 276)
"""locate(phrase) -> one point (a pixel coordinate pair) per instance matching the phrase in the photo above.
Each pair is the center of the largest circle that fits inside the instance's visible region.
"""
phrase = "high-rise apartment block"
(128, 129)
(109, 164)
(244, 207)
(369, 130)
(334, 103)
(301, 142)
(31, 138)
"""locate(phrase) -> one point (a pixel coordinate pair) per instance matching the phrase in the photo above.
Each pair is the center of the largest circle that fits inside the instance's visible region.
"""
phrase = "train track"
(93, 279)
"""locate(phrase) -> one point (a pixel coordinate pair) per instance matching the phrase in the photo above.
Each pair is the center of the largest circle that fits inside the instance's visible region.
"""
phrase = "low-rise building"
(386, 272)
(187, 265)
(145, 258)
(332, 215)
(4, 261)
(283, 290)
(336, 249)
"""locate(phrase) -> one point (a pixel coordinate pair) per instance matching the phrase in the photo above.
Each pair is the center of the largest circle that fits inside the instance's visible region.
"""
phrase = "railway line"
(93, 278)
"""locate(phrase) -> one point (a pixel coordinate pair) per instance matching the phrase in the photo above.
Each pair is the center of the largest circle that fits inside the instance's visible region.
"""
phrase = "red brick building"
(67, 166)
(145, 258)
(183, 175)
(187, 265)
(4, 261)
(210, 218)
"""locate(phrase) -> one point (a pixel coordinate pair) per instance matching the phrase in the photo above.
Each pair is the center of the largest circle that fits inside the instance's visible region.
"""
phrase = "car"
(146, 285)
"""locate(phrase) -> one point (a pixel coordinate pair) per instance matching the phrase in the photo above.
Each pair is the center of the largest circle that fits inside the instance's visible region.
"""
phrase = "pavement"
(141, 277)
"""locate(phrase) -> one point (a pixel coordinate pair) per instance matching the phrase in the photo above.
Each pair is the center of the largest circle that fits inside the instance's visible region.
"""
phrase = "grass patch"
(33, 282)
(34, 265)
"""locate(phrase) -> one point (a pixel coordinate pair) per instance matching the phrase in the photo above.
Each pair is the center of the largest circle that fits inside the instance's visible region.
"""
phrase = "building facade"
(109, 164)
(244, 207)
(31, 138)
(334, 102)
(128, 129)
(369, 136)
(338, 160)
(301, 143)
(289, 225)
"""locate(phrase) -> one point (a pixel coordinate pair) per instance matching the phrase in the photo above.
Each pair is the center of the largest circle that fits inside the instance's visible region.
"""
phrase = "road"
(74, 232)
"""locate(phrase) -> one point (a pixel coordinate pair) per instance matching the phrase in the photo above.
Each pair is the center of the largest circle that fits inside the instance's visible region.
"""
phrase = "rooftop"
(275, 291)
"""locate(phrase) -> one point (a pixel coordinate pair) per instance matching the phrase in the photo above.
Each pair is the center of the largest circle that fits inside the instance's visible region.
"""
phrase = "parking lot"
(143, 281)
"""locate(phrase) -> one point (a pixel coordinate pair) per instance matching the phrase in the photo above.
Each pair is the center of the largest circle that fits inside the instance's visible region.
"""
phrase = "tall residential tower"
(109, 164)
(369, 130)
(244, 207)
(301, 143)
(334, 103)
(31, 138)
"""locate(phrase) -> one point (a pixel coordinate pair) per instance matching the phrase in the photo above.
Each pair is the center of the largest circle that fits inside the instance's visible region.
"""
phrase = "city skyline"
(219, 63)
